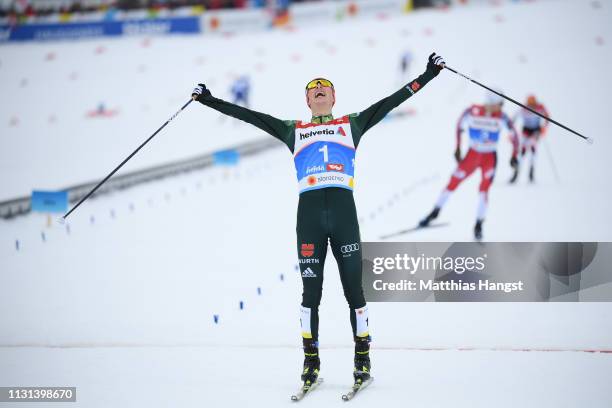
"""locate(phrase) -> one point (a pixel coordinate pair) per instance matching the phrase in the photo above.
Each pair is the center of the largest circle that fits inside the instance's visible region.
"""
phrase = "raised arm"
(364, 120)
(280, 129)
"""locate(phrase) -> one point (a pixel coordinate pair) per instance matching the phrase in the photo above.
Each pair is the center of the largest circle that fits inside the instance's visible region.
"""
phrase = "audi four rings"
(345, 249)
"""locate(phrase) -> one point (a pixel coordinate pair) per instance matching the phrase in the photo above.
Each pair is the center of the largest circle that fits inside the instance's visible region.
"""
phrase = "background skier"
(534, 127)
(484, 124)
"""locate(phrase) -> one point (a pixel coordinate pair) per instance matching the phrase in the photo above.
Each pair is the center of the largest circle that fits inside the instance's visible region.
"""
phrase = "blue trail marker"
(49, 201)
(229, 157)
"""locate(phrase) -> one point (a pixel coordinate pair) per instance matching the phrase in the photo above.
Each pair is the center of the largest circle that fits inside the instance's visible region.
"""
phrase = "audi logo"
(345, 249)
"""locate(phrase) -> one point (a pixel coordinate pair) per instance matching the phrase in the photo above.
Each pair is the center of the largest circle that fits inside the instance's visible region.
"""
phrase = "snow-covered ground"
(210, 377)
(121, 304)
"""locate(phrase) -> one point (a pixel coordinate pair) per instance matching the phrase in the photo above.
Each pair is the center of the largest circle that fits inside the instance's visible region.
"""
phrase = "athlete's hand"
(458, 154)
(514, 162)
(200, 92)
(435, 64)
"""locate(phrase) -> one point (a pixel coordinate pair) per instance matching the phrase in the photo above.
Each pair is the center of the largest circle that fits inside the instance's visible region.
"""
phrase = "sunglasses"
(313, 84)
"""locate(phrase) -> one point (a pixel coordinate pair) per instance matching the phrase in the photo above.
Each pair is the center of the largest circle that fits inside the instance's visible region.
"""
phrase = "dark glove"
(513, 162)
(458, 154)
(200, 92)
(435, 64)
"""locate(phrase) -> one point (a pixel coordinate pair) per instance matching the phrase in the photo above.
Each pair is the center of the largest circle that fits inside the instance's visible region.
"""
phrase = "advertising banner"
(71, 31)
(230, 21)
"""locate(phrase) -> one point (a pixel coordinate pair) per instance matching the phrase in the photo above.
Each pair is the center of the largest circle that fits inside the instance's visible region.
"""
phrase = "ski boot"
(312, 363)
(514, 163)
(478, 230)
(514, 176)
(361, 372)
(432, 216)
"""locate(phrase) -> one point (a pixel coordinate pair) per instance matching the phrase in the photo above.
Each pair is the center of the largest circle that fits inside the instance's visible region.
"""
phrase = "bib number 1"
(325, 154)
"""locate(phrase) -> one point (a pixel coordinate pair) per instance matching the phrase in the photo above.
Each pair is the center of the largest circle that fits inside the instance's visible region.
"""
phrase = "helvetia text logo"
(316, 133)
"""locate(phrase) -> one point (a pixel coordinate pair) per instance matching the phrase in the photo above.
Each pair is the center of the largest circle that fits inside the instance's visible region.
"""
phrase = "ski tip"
(304, 391)
(356, 389)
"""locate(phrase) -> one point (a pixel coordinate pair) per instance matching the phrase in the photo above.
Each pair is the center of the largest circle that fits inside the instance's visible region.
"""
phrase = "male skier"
(484, 124)
(324, 156)
(240, 91)
(534, 127)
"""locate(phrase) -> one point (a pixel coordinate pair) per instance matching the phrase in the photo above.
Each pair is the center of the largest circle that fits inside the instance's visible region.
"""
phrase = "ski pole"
(588, 139)
(552, 161)
(126, 160)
